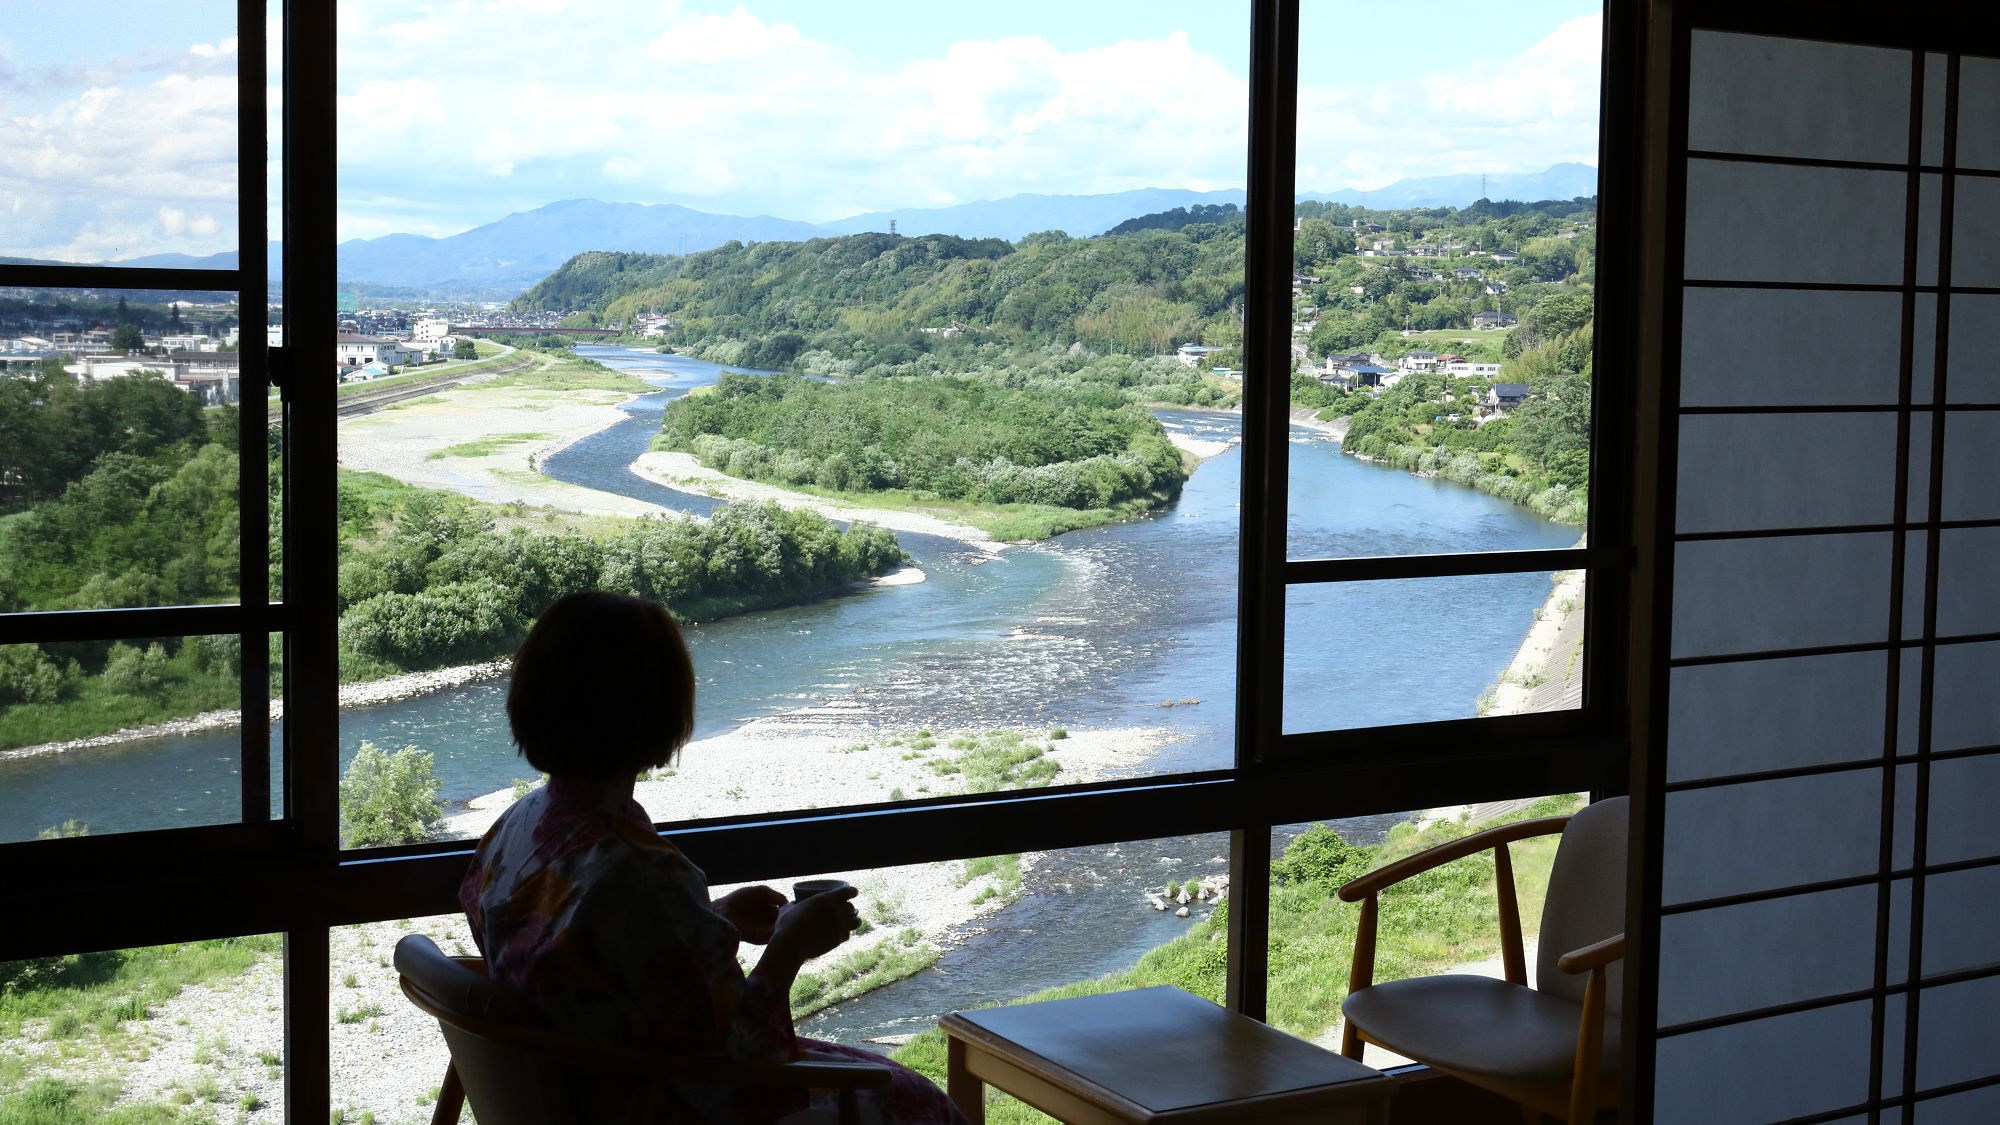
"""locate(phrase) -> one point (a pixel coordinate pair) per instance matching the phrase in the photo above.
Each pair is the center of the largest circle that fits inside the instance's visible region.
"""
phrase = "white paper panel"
(1923, 349)
(1795, 591)
(1895, 1027)
(1781, 222)
(1910, 686)
(1903, 834)
(1961, 824)
(1934, 82)
(1916, 550)
(1972, 462)
(1972, 373)
(1975, 234)
(1918, 505)
(1762, 954)
(1969, 579)
(1968, 1107)
(1965, 705)
(1957, 1027)
(1792, 97)
(1978, 113)
(1756, 715)
(1765, 1070)
(1786, 347)
(1959, 930)
(1897, 961)
(1767, 835)
(1930, 203)
(1748, 472)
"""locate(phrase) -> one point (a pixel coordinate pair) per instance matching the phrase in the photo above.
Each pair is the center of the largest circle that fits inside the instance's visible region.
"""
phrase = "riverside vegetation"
(124, 493)
(1099, 314)
(1023, 463)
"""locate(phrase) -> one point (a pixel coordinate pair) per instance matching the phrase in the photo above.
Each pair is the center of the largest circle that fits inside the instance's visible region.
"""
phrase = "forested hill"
(849, 304)
(857, 295)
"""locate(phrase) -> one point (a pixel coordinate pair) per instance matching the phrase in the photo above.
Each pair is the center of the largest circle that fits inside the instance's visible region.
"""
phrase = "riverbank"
(684, 472)
(1546, 673)
(488, 442)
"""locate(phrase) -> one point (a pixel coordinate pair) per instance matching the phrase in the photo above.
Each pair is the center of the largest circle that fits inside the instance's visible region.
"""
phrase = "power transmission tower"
(892, 228)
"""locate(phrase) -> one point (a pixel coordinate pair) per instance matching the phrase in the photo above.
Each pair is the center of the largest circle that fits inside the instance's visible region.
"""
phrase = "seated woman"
(607, 928)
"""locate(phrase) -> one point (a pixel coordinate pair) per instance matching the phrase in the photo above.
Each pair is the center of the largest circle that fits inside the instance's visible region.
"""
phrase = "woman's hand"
(807, 929)
(752, 910)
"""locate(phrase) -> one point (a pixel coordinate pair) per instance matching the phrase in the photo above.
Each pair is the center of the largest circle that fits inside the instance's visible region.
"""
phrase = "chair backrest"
(1586, 900)
(510, 1073)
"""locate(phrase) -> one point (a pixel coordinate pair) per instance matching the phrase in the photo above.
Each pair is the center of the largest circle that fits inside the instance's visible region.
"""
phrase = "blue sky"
(116, 139)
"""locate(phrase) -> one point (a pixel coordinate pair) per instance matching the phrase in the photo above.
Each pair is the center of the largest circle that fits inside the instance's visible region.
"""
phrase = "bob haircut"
(603, 688)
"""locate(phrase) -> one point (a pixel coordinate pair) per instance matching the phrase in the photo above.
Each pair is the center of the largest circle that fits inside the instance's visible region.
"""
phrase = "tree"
(127, 338)
(388, 799)
(464, 349)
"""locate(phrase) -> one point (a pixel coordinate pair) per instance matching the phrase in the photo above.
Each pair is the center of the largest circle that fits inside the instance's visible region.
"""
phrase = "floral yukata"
(579, 906)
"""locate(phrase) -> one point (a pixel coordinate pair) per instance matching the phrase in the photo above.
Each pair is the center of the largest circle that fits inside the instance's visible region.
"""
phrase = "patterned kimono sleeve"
(678, 957)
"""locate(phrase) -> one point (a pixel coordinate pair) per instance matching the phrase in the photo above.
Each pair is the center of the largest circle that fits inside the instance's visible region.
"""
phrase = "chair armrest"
(1593, 956)
(839, 1075)
(1360, 887)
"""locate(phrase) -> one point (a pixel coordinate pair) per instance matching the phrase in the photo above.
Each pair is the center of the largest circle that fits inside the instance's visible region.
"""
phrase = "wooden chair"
(516, 1074)
(1552, 1048)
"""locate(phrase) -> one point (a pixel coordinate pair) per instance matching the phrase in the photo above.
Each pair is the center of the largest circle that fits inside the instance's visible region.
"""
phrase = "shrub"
(133, 671)
(28, 675)
(1318, 855)
(388, 799)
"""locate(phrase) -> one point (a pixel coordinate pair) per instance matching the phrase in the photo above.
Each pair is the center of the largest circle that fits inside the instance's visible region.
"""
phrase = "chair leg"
(451, 1098)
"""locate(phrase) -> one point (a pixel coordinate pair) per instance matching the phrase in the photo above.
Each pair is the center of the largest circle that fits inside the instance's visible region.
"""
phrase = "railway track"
(368, 402)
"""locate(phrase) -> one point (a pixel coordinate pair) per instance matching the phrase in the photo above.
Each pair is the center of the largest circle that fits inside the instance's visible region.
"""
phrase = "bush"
(388, 799)
(133, 671)
(28, 675)
(1319, 856)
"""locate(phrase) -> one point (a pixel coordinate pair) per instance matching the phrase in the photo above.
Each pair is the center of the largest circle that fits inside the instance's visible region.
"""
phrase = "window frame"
(289, 875)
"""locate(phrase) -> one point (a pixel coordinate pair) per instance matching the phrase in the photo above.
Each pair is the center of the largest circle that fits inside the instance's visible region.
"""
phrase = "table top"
(1164, 1050)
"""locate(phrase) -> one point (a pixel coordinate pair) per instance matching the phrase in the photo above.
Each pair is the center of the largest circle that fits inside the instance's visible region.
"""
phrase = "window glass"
(935, 456)
(118, 448)
(188, 1032)
(1445, 920)
(1444, 248)
(120, 736)
(120, 136)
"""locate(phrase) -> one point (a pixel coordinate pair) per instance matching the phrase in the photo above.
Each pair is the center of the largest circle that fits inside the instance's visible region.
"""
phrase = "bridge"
(524, 330)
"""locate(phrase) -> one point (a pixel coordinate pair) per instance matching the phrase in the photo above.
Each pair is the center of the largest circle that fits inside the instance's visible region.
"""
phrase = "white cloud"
(455, 112)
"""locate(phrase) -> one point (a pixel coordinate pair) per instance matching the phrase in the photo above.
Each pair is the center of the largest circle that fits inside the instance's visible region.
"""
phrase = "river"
(1095, 628)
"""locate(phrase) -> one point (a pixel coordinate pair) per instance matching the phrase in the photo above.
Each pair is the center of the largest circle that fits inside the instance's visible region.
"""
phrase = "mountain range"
(501, 258)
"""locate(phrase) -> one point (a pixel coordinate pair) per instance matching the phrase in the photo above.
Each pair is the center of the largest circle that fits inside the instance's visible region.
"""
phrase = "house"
(1193, 354)
(1505, 256)
(187, 342)
(1494, 320)
(1423, 273)
(360, 351)
(1419, 360)
(1496, 289)
(1348, 371)
(1461, 368)
(1467, 273)
(431, 329)
(1502, 397)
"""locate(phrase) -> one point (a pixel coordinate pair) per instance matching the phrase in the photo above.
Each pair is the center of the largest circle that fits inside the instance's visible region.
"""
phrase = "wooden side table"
(1154, 1055)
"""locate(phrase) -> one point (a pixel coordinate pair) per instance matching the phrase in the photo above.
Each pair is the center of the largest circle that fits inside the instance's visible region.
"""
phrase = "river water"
(1095, 628)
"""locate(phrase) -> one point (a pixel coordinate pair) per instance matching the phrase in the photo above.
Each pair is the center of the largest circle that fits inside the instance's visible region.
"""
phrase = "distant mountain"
(504, 257)
(1017, 215)
(1562, 181)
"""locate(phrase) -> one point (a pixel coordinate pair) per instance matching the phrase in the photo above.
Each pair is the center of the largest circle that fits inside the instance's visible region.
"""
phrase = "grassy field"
(1430, 923)
(1482, 346)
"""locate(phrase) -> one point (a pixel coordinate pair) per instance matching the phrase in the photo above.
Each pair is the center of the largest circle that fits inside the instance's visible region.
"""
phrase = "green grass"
(90, 995)
(464, 367)
(50, 1101)
(96, 708)
(861, 971)
(564, 372)
(487, 446)
(1430, 923)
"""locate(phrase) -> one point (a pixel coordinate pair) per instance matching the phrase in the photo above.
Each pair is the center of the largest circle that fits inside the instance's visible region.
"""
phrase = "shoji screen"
(1830, 835)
